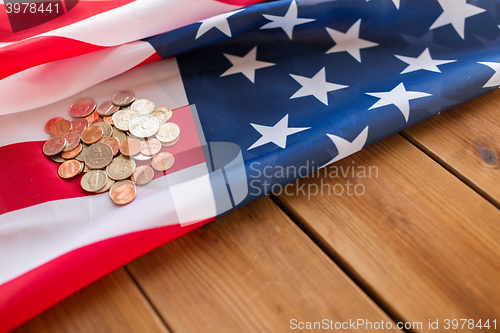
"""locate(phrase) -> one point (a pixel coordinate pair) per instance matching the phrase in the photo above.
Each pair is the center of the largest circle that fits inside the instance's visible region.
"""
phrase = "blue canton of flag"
(306, 83)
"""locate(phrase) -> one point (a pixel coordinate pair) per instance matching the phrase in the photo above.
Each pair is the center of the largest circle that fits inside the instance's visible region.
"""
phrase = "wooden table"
(422, 243)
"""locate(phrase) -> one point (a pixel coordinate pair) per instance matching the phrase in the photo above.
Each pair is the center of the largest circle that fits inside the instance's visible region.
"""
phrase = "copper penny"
(70, 169)
(51, 122)
(113, 143)
(54, 145)
(131, 147)
(108, 120)
(67, 155)
(82, 107)
(123, 194)
(143, 175)
(150, 147)
(60, 127)
(91, 134)
(162, 161)
(123, 98)
(106, 108)
(78, 125)
(92, 117)
(72, 140)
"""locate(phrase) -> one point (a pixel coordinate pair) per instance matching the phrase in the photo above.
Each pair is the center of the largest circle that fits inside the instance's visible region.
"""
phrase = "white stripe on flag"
(49, 83)
(140, 19)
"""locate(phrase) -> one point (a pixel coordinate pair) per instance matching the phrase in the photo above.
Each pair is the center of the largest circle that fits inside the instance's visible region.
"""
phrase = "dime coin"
(60, 127)
(170, 144)
(131, 147)
(58, 159)
(91, 134)
(70, 169)
(82, 107)
(113, 143)
(80, 157)
(123, 98)
(98, 155)
(108, 120)
(123, 194)
(107, 130)
(72, 153)
(119, 135)
(79, 124)
(143, 106)
(162, 113)
(150, 147)
(94, 180)
(118, 183)
(122, 118)
(72, 141)
(162, 161)
(54, 145)
(106, 108)
(51, 122)
(121, 168)
(168, 132)
(143, 175)
(143, 125)
(107, 186)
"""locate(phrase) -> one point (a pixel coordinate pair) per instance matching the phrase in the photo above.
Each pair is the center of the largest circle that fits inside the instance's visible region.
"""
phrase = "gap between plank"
(147, 299)
(450, 169)
(341, 263)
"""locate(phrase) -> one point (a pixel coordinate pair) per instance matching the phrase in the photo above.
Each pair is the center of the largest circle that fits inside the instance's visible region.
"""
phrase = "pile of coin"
(104, 141)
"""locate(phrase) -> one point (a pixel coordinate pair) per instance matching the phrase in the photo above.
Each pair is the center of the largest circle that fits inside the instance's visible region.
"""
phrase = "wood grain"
(466, 140)
(252, 270)
(419, 240)
(111, 304)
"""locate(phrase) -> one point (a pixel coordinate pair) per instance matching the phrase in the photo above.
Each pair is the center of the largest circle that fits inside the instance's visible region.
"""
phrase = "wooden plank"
(419, 240)
(252, 270)
(466, 140)
(111, 304)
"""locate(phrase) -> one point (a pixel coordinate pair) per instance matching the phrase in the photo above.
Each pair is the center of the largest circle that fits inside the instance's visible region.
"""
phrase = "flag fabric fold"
(263, 94)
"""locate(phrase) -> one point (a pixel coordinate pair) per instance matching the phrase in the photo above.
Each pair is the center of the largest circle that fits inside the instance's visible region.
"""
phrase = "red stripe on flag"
(27, 177)
(82, 11)
(39, 289)
(18, 57)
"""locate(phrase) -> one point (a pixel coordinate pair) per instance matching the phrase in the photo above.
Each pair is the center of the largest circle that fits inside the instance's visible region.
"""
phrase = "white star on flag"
(399, 97)
(346, 148)
(287, 22)
(349, 41)
(396, 3)
(246, 65)
(220, 22)
(455, 12)
(276, 134)
(423, 61)
(315, 86)
(494, 81)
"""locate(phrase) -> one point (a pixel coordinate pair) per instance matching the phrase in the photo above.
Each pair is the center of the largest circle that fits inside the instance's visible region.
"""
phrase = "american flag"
(256, 89)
